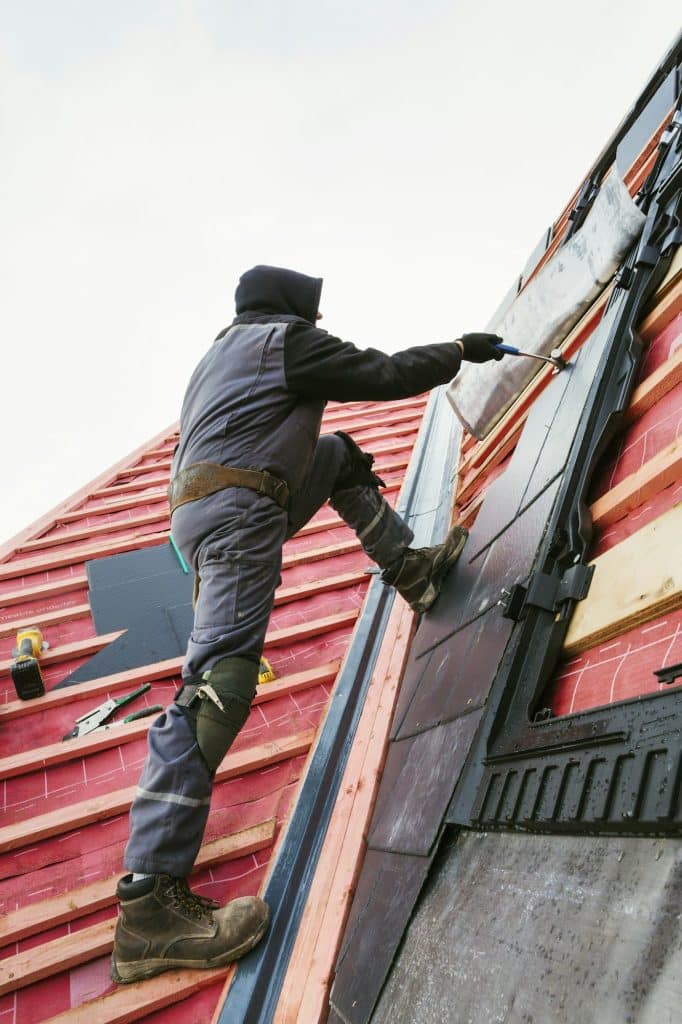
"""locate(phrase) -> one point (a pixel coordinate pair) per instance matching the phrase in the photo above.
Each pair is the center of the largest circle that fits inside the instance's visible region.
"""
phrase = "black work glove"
(479, 348)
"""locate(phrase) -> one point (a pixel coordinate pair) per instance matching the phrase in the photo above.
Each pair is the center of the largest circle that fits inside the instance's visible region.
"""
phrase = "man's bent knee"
(218, 707)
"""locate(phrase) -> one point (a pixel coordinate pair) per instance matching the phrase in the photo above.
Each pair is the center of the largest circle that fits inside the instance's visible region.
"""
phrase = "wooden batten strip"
(69, 906)
(95, 688)
(663, 379)
(401, 423)
(305, 988)
(350, 412)
(77, 649)
(44, 619)
(321, 586)
(101, 530)
(318, 554)
(634, 582)
(45, 522)
(109, 805)
(38, 758)
(33, 965)
(666, 303)
(44, 591)
(151, 498)
(54, 559)
(663, 469)
(57, 559)
(162, 516)
(163, 465)
(129, 1003)
(83, 648)
(149, 482)
(303, 630)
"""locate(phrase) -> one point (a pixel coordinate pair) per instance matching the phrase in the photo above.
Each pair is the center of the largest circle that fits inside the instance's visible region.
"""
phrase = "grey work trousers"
(233, 540)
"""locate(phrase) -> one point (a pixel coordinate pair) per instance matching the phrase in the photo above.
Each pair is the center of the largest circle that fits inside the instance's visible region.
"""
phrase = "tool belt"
(203, 478)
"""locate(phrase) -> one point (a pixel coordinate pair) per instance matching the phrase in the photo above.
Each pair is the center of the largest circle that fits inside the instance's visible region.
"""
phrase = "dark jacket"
(256, 398)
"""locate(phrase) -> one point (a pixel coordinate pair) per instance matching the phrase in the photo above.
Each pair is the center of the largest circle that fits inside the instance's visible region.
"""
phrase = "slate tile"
(430, 765)
(392, 883)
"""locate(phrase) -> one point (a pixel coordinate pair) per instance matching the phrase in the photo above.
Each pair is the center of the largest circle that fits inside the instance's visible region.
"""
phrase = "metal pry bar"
(554, 357)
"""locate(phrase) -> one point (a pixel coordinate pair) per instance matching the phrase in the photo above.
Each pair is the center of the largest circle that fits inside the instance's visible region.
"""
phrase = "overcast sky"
(411, 153)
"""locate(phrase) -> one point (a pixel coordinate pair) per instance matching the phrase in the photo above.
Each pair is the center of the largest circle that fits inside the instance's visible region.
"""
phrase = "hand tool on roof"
(265, 671)
(98, 716)
(554, 357)
(25, 672)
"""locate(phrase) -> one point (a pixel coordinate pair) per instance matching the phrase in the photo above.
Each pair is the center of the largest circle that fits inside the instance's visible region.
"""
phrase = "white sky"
(410, 153)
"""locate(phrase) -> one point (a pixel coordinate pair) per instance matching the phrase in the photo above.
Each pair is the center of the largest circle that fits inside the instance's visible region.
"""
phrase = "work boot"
(162, 924)
(419, 574)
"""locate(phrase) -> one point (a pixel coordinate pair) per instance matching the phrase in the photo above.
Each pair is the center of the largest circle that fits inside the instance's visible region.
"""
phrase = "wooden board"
(304, 995)
(638, 580)
(663, 469)
(52, 823)
(115, 735)
(87, 899)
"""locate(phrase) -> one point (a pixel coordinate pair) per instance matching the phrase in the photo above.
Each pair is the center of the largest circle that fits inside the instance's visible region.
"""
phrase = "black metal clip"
(624, 277)
(669, 674)
(547, 591)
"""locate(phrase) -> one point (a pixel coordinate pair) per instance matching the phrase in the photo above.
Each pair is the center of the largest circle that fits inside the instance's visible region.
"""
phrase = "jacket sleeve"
(319, 365)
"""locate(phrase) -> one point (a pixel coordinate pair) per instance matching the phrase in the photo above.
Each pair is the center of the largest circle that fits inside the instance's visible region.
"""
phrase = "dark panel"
(155, 636)
(447, 673)
(145, 593)
(448, 613)
(119, 606)
(608, 769)
(409, 820)
(471, 689)
(131, 565)
(579, 378)
(508, 561)
(549, 929)
(511, 558)
(409, 685)
(505, 496)
(391, 883)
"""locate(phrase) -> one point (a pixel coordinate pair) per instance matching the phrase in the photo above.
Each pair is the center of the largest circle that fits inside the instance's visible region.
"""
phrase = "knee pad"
(359, 472)
(225, 698)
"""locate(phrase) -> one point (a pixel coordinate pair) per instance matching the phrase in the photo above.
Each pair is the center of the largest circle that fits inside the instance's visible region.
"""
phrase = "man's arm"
(319, 365)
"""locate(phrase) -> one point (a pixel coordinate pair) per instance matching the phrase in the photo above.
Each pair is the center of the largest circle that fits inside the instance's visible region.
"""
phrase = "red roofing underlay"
(65, 804)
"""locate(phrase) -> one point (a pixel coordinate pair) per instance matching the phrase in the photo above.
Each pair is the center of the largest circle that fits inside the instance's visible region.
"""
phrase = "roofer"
(250, 470)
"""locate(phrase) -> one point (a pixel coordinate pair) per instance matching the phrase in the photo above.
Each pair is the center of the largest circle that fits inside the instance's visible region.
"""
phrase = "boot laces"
(178, 891)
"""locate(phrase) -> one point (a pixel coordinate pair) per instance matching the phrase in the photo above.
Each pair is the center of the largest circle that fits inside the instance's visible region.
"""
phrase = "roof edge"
(43, 522)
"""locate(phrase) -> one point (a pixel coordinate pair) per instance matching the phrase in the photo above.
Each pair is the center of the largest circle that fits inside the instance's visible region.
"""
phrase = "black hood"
(276, 290)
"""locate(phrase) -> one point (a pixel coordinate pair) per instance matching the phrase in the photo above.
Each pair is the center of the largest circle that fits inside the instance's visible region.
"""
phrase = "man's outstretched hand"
(479, 348)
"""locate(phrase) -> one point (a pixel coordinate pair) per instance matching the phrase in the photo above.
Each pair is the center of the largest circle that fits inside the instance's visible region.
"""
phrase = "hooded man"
(249, 471)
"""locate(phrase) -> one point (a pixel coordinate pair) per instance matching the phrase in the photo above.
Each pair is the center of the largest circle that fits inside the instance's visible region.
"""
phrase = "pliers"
(98, 716)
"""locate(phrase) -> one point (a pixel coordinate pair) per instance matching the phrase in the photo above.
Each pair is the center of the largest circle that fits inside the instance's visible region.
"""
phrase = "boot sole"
(141, 970)
(429, 597)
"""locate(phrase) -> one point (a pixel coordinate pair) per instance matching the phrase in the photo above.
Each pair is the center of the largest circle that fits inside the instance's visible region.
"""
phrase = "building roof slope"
(65, 803)
(627, 628)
